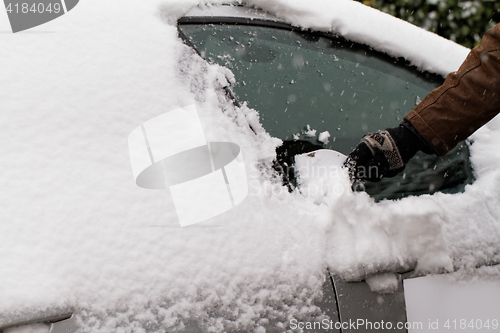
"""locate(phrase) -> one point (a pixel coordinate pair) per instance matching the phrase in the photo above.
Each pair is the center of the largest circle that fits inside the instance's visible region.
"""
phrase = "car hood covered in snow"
(78, 234)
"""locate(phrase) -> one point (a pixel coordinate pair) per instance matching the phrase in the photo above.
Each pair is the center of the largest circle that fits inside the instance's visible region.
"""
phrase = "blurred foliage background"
(461, 21)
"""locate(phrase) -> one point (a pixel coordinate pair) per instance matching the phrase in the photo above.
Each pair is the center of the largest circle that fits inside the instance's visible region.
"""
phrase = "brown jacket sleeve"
(467, 100)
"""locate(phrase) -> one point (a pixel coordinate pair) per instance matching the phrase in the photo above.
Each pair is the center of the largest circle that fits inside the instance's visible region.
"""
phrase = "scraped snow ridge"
(79, 235)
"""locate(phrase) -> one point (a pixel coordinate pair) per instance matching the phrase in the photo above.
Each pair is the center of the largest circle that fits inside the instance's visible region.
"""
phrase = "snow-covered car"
(88, 250)
(317, 90)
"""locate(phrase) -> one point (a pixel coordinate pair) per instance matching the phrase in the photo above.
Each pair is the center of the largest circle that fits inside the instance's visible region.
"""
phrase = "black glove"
(385, 153)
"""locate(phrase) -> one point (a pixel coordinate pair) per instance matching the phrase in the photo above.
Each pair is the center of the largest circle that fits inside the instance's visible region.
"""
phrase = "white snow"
(309, 132)
(323, 137)
(79, 234)
(383, 283)
(321, 176)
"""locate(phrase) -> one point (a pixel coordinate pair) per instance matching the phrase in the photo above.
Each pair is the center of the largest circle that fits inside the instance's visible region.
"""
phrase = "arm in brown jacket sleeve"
(467, 100)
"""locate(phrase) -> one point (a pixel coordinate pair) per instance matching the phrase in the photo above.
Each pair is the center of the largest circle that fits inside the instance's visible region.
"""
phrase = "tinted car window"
(295, 79)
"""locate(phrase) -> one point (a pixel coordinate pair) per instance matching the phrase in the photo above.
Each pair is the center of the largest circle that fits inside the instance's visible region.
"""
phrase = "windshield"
(304, 84)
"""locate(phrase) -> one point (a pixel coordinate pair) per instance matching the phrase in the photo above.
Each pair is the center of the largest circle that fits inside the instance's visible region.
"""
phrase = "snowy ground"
(79, 234)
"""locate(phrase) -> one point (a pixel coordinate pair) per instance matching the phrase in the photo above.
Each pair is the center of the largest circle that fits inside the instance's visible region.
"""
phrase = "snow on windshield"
(78, 233)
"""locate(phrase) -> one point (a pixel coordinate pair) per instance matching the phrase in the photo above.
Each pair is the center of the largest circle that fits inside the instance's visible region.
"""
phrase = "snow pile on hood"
(78, 234)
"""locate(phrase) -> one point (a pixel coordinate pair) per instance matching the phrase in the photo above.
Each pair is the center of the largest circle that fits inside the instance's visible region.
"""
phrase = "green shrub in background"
(461, 21)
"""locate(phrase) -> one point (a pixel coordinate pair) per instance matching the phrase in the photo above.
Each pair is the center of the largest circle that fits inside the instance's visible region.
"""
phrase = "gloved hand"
(385, 153)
